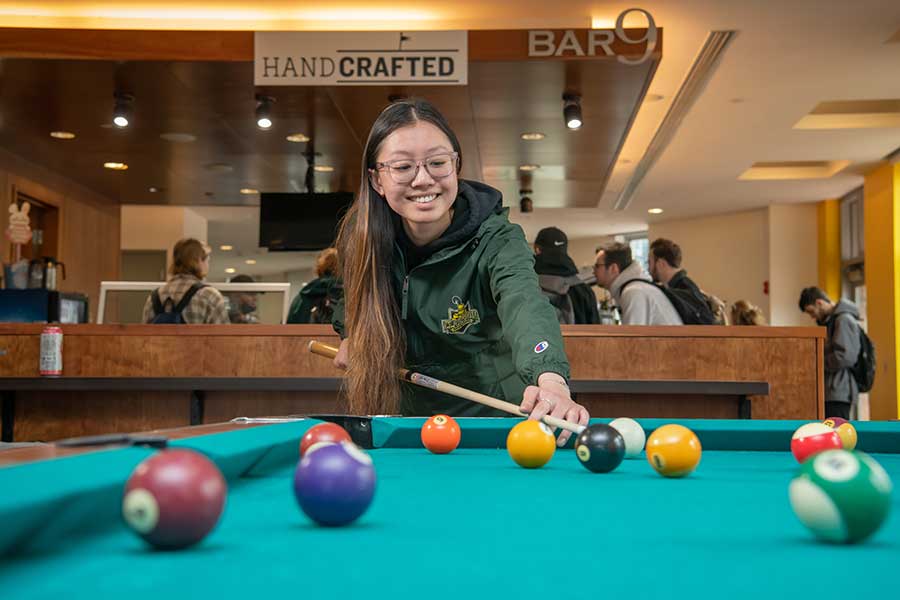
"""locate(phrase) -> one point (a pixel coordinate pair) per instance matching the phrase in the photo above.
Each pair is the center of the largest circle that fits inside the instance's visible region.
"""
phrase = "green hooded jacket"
(313, 294)
(473, 312)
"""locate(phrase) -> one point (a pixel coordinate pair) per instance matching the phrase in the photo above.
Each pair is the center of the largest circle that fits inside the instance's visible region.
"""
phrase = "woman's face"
(426, 198)
(204, 264)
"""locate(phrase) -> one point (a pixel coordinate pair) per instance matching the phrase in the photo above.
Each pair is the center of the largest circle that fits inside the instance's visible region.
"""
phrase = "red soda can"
(51, 351)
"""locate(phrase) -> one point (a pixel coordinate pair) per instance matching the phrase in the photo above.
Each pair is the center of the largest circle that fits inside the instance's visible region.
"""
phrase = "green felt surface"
(471, 524)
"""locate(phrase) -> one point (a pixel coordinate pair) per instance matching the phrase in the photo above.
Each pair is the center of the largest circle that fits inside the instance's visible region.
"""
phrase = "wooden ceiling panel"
(215, 103)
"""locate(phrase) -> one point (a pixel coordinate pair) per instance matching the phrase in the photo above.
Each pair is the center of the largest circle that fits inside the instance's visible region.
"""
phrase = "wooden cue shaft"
(455, 390)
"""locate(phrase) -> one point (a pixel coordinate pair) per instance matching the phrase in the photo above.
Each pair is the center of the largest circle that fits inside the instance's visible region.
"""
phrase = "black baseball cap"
(551, 238)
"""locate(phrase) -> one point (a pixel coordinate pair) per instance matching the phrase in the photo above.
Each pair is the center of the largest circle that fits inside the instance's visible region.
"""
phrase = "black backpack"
(864, 369)
(172, 316)
(691, 309)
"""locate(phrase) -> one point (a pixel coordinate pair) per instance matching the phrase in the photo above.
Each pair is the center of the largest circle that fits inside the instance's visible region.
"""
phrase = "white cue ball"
(633, 434)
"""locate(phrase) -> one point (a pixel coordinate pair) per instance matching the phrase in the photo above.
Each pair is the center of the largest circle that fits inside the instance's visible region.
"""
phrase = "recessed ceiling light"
(250, 261)
(654, 98)
(249, 191)
(62, 135)
(230, 270)
(226, 247)
(529, 167)
(323, 168)
(153, 190)
(297, 138)
(533, 136)
(116, 166)
(655, 211)
(178, 138)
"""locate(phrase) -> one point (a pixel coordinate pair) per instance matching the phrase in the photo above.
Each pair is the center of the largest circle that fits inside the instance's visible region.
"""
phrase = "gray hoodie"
(841, 353)
(642, 303)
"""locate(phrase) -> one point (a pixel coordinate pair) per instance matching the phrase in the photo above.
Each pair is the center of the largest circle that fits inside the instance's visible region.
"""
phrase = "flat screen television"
(289, 221)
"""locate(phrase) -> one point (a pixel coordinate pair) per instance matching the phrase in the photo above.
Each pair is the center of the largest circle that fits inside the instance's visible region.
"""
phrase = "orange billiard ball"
(531, 444)
(673, 450)
(440, 434)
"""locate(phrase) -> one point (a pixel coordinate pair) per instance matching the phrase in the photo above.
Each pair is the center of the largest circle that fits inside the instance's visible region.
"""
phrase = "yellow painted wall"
(829, 223)
(882, 243)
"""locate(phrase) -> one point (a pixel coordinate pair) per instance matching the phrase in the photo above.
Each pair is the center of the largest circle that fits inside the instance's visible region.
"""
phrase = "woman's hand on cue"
(551, 396)
(343, 355)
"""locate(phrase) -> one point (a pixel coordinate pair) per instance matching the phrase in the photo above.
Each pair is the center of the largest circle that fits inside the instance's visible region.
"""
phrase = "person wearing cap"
(573, 300)
(242, 305)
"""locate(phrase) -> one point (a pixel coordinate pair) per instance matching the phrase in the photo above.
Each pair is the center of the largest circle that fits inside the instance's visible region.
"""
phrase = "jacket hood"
(317, 287)
(844, 307)
(634, 271)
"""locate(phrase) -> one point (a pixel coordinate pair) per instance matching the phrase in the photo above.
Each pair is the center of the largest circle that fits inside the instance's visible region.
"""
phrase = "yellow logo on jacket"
(460, 317)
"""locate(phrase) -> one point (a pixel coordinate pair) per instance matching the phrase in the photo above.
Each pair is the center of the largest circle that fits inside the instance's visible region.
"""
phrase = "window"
(639, 244)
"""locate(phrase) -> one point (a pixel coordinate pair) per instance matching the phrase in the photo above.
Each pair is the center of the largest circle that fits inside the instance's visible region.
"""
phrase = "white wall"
(793, 260)
(727, 255)
(149, 227)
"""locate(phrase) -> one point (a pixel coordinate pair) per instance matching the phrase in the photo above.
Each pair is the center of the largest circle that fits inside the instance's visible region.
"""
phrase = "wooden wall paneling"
(20, 355)
(224, 406)
(47, 416)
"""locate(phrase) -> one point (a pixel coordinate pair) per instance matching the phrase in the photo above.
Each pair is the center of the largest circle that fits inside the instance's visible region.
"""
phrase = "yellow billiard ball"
(531, 444)
(673, 450)
(848, 435)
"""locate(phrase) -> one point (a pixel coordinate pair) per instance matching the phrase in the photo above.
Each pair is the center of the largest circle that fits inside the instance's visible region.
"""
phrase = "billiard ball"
(323, 433)
(600, 448)
(632, 433)
(673, 450)
(847, 433)
(531, 444)
(334, 483)
(812, 438)
(440, 434)
(834, 422)
(841, 496)
(845, 430)
(174, 498)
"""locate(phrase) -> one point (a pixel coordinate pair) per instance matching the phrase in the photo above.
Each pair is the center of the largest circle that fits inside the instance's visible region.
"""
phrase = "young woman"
(438, 280)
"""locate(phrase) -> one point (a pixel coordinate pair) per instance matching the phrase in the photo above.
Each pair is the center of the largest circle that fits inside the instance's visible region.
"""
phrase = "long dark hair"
(377, 344)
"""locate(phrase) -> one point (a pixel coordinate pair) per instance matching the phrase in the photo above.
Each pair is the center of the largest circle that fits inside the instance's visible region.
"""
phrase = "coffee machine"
(43, 273)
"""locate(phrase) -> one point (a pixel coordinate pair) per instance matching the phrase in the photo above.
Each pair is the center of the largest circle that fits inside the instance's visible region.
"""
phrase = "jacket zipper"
(404, 302)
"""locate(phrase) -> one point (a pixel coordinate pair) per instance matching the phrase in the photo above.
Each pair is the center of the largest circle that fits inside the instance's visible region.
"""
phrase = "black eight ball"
(600, 448)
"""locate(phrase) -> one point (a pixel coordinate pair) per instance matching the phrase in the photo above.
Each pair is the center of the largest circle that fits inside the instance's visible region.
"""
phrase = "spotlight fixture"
(122, 110)
(572, 110)
(264, 111)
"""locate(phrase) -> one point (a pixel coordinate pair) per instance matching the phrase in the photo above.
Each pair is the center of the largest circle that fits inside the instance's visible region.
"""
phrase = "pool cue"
(454, 390)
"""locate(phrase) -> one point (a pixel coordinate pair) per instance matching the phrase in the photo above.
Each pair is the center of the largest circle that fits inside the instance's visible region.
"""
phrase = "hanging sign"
(360, 58)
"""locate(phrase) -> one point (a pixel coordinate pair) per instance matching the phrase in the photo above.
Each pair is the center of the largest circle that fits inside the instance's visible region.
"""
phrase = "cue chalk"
(455, 390)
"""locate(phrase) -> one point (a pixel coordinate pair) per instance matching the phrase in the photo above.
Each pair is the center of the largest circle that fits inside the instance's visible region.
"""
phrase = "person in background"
(316, 301)
(744, 313)
(201, 303)
(665, 267)
(842, 347)
(638, 298)
(242, 305)
(574, 301)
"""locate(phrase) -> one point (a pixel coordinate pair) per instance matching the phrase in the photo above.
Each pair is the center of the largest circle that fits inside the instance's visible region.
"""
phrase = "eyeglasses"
(405, 170)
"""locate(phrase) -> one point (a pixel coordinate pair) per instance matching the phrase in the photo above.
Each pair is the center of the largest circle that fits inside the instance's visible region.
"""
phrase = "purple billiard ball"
(334, 483)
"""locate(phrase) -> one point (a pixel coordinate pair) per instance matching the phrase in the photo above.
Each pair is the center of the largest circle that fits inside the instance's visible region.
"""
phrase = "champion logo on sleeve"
(541, 347)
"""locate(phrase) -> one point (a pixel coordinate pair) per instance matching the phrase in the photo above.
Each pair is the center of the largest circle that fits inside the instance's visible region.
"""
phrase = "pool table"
(467, 525)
